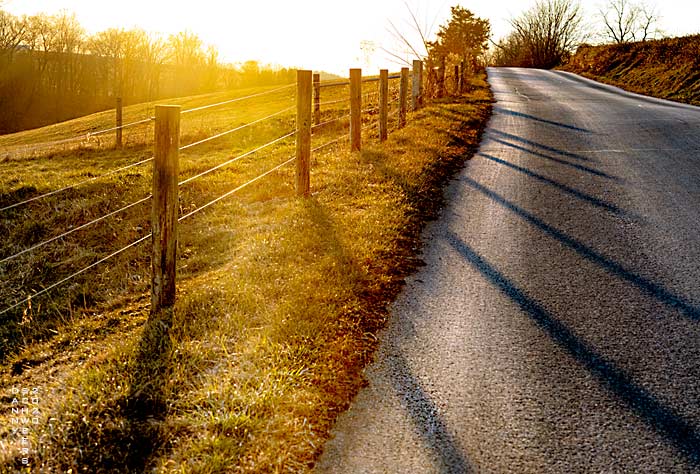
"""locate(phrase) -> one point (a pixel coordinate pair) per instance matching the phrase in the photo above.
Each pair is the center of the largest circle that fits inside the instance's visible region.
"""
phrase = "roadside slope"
(554, 327)
(667, 69)
(273, 324)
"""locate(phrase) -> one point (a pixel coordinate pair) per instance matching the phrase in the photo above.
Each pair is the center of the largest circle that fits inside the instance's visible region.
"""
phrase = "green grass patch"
(279, 301)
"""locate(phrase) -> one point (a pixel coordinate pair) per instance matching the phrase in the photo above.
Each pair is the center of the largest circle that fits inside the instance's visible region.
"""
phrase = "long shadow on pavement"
(662, 419)
(557, 160)
(574, 192)
(647, 286)
(501, 110)
(550, 149)
(426, 418)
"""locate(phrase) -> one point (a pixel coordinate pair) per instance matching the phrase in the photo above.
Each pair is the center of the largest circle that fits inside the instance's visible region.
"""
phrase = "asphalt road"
(555, 327)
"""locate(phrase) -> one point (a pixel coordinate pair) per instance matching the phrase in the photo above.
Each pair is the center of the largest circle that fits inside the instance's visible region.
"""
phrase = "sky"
(311, 34)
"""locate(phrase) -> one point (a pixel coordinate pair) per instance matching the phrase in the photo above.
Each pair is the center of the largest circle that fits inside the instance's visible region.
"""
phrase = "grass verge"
(279, 304)
(667, 68)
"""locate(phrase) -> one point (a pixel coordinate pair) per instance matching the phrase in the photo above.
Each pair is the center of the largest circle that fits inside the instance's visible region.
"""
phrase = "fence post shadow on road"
(647, 286)
(534, 144)
(501, 110)
(600, 203)
(425, 416)
(586, 169)
(667, 423)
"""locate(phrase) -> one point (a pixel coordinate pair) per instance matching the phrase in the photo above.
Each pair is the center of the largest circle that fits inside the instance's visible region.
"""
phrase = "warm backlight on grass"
(312, 34)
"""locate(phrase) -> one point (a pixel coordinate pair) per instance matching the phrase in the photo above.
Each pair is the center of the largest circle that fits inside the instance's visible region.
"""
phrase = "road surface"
(555, 327)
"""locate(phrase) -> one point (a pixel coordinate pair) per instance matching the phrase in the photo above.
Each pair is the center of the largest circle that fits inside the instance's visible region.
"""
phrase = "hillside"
(667, 68)
(279, 299)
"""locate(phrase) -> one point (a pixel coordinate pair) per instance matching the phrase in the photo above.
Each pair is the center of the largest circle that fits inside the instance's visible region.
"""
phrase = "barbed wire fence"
(313, 115)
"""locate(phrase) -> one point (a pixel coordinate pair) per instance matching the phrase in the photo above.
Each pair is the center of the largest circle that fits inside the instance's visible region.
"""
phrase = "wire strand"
(235, 190)
(240, 157)
(35, 146)
(81, 227)
(237, 99)
(344, 137)
(79, 272)
(370, 125)
(334, 83)
(331, 102)
(128, 125)
(72, 186)
(329, 122)
(219, 135)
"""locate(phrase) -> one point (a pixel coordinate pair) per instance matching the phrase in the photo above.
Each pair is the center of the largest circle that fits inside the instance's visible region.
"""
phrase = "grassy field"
(279, 298)
(667, 68)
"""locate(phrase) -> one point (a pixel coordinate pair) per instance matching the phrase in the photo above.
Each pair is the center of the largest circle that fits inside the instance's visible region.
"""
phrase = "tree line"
(462, 41)
(51, 70)
(546, 35)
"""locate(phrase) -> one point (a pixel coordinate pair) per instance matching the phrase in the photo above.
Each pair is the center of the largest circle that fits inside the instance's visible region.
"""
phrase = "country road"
(556, 325)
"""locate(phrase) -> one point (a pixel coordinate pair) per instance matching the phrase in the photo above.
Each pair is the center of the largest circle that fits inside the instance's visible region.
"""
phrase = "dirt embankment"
(667, 68)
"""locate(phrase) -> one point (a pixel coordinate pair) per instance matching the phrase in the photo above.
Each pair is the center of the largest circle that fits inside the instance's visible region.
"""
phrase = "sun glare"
(314, 34)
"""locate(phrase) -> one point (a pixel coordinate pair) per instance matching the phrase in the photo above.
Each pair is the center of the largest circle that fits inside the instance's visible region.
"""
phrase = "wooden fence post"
(119, 123)
(461, 77)
(383, 104)
(403, 97)
(165, 207)
(317, 99)
(303, 157)
(417, 96)
(355, 109)
(441, 78)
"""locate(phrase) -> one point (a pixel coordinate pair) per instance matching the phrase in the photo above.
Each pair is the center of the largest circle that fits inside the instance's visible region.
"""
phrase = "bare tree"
(411, 39)
(625, 21)
(12, 33)
(547, 33)
(648, 24)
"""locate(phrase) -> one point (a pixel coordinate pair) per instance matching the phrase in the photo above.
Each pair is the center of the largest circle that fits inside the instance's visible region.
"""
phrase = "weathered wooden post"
(383, 104)
(303, 157)
(317, 99)
(403, 97)
(119, 123)
(417, 93)
(441, 78)
(462, 77)
(355, 109)
(165, 207)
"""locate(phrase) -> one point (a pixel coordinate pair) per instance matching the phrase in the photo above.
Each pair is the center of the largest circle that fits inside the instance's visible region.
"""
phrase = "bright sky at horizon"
(312, 34)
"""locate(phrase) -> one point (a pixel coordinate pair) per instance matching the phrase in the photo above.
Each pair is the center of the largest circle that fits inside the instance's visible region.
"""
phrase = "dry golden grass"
(279, 303)
(667, 68)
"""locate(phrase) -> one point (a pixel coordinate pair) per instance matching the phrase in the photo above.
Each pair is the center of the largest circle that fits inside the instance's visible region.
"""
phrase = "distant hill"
(327, 76)
(667, 68)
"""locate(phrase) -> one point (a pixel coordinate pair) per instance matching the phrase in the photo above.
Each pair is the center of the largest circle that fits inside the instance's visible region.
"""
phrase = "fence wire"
(76, 229)
(228, 132)
(73, 186)
(237, 99)
(233, 160)
(328, 122)
(70, 277)
(367, 126)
